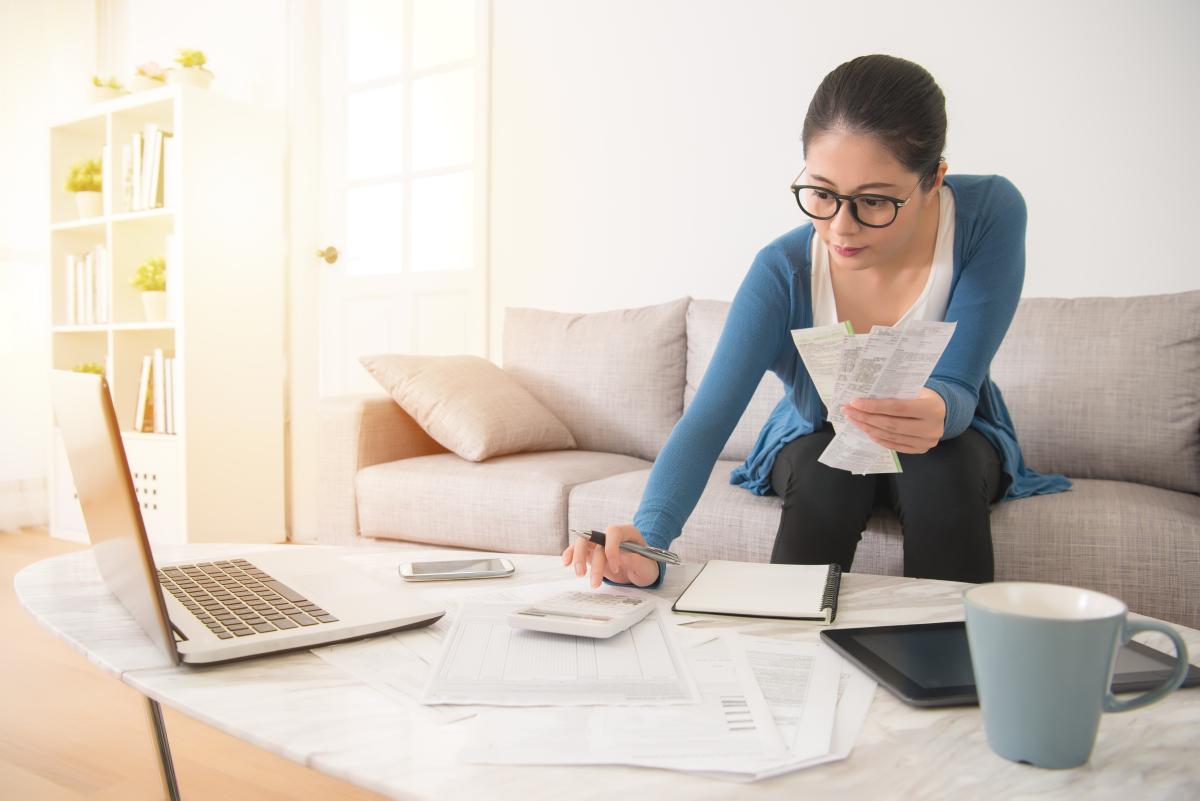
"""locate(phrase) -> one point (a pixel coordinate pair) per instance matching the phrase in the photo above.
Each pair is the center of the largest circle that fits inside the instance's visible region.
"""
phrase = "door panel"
(403, 106)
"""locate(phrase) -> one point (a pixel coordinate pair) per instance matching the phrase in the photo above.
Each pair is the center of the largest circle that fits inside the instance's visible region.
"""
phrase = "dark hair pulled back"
(891, 99)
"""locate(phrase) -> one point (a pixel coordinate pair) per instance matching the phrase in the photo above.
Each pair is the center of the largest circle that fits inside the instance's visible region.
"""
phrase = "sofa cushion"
(705, 319)
(1107, 387)
(1134, 542)
(727, 523)
(515, 503)
(469, 405)
(614, 378)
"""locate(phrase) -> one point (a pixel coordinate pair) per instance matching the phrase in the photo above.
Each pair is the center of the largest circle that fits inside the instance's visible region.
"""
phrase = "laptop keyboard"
(236, 599)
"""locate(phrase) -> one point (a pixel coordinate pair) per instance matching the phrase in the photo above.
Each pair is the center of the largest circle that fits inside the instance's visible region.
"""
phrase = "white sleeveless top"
(929, 305)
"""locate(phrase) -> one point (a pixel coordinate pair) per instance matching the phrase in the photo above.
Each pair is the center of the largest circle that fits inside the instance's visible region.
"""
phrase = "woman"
(892, 238)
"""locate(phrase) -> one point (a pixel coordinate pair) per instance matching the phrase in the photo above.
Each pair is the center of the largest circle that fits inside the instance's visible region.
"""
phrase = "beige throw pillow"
(469, 405)
(615, 378)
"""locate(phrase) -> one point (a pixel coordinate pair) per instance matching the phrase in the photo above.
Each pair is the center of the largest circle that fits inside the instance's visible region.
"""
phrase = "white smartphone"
(456, 569)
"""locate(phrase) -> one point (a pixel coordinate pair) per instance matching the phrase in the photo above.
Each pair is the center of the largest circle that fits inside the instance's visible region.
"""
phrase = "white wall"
(641, 151)
(47, 52)
(244, 42)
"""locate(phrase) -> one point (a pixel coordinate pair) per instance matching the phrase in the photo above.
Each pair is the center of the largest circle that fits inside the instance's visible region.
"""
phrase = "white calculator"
(583, 614)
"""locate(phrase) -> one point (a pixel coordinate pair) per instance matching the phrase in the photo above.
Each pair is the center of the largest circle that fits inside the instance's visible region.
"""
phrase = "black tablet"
(929, 664)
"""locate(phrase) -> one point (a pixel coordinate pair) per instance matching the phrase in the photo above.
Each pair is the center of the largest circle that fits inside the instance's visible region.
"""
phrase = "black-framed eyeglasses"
(873, 211)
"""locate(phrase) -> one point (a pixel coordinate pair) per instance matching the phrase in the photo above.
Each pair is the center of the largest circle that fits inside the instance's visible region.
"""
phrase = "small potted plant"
(105, 90)
(151, 279)
(95, 368)
(149, 76)
(85, 181)
(191, 69)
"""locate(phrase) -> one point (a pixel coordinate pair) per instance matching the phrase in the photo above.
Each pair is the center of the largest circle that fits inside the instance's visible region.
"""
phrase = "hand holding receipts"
(889, 362)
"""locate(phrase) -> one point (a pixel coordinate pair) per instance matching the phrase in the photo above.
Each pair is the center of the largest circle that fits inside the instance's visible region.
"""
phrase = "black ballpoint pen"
(648, 551)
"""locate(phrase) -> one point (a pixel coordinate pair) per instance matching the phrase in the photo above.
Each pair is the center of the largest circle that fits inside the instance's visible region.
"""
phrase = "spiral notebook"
(758, 589)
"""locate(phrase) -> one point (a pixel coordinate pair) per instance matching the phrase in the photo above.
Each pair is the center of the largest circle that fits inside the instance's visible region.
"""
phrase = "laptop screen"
(85, 416)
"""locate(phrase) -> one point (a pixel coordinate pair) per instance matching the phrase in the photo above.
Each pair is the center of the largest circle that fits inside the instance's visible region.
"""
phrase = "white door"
(403, 192)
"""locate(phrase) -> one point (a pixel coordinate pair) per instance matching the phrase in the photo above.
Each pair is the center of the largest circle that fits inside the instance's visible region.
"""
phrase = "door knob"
(329, 254)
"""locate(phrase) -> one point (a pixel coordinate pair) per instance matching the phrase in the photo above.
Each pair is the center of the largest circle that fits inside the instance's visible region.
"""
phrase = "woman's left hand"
(906, 426)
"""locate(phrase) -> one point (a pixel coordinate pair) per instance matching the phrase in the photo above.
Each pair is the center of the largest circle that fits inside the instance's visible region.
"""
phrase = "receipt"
(889, 362)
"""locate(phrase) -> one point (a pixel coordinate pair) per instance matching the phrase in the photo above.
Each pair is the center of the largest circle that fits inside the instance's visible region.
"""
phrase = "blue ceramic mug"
(1043, 656)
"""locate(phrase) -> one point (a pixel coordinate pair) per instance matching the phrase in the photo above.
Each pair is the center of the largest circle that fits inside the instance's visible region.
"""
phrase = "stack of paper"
(886, 363)
(657, 695)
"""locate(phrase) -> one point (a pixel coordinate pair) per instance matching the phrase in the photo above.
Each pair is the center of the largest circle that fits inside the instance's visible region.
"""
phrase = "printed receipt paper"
(889, 362)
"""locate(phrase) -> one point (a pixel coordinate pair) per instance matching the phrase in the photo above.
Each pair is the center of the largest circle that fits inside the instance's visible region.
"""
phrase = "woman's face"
(850, 164)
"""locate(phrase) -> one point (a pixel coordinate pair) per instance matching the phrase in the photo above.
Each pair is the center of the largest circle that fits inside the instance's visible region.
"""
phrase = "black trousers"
(942, 499)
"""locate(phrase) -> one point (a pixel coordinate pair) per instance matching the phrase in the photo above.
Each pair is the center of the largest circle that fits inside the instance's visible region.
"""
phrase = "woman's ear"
(940, 174)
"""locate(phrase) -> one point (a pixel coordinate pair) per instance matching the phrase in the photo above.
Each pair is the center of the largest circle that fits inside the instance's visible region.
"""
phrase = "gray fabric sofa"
(1105, 390)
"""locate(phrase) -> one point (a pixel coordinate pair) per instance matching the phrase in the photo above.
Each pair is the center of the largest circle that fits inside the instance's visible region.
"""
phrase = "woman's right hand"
(610, 562)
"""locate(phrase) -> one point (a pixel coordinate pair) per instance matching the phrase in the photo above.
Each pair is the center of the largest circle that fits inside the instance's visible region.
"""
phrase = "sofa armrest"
(357, 431)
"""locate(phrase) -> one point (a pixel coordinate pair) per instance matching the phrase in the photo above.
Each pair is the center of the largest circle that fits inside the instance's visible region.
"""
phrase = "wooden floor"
(68, 730)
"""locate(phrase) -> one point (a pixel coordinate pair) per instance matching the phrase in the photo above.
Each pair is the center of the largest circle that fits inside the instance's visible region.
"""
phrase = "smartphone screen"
(458, 566)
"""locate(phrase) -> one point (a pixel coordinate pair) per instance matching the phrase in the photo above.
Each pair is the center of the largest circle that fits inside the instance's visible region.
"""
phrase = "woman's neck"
(880, 294)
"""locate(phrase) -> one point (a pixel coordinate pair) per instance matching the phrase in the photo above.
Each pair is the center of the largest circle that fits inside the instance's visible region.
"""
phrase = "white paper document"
(398, 665)
(766, 707)
(816, 707)
(486, 661)
(731, 721)
(889, 362)
(856, 691)
(799, 681)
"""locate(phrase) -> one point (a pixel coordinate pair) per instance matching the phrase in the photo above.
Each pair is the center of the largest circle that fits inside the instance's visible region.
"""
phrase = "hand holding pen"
(612, 560)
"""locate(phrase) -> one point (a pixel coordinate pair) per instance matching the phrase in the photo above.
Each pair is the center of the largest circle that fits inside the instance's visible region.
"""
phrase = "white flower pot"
(140, 83)
(90, 204)
(155, 305)
(106, 92)
(194, 76)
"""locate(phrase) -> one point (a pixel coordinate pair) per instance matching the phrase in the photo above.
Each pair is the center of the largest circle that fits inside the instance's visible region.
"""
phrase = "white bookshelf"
(220, 477)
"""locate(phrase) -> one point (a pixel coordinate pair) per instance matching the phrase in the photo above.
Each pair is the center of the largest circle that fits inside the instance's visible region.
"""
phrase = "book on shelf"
(71, 316)
(79, 296)
(139, 417)
(169, 387)
(89, 290)
(160, 394)
(136, 171)
(157, 389)
(158, 171)
(149, 145)
(146, 161)
(88, 287)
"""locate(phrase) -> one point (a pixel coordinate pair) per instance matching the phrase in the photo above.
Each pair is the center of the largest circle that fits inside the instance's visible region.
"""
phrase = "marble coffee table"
(302, 708)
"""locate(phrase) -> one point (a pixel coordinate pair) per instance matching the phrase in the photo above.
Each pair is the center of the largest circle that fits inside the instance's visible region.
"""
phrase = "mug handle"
(1113, 704)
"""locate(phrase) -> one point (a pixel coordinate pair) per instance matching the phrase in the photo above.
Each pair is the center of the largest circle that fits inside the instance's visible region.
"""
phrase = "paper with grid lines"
(484, 660)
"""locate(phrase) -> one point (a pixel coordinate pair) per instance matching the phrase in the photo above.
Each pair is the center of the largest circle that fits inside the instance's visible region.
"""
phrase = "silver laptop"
(223, 609)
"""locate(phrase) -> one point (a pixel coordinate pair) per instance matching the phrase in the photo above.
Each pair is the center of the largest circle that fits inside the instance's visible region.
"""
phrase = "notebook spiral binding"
(833, 584)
